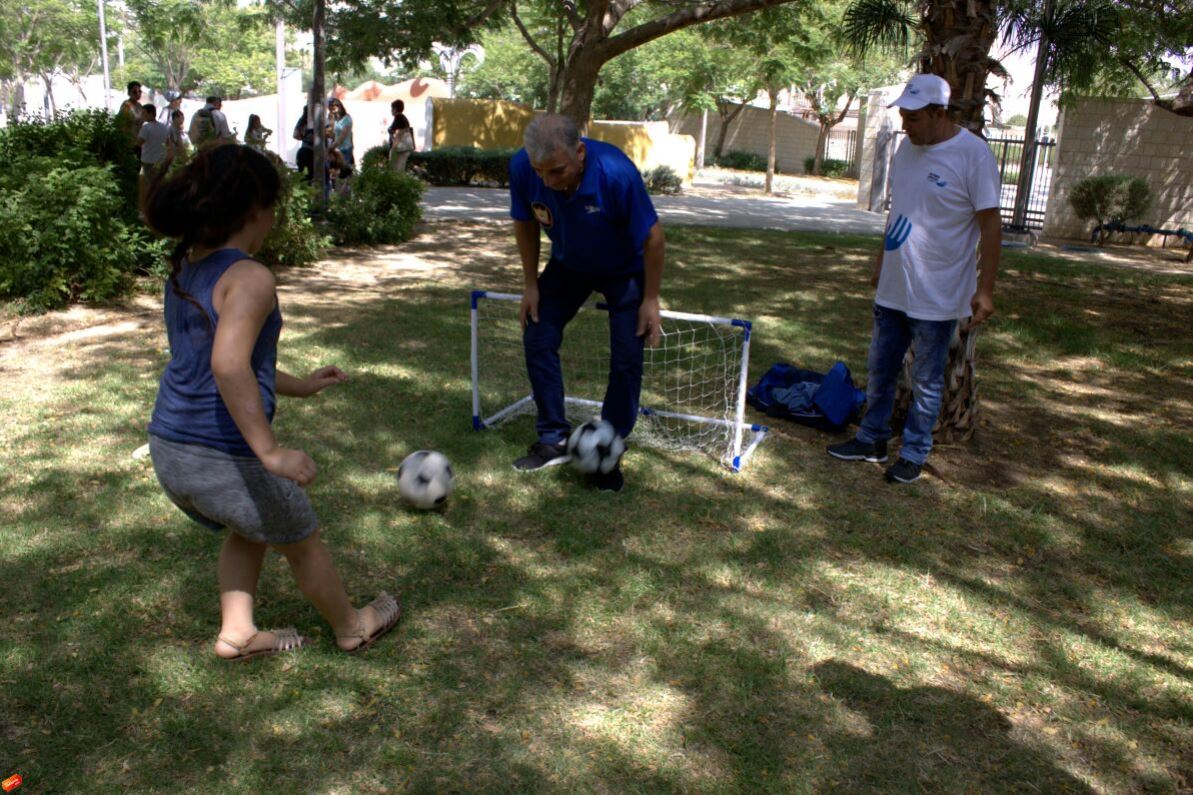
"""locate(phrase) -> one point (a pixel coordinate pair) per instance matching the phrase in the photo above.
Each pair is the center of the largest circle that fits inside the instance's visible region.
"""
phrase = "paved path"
(699, 208)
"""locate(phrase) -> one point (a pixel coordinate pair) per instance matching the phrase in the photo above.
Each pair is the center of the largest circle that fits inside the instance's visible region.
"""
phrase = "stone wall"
(497, 124)
(1110, 136)
(877, 124)
(795, 138)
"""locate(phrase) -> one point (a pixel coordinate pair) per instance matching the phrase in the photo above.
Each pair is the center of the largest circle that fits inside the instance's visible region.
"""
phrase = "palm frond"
(878, 24)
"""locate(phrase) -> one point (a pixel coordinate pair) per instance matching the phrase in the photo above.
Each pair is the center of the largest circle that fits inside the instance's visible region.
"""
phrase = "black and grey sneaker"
(903, 471)
(612, 480)
(542, 455)
(855, 450)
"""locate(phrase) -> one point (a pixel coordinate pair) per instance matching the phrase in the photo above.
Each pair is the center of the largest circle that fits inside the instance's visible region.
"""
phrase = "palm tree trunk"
(958, 35)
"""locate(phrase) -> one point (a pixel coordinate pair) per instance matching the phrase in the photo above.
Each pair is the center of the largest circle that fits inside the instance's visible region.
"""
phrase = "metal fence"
(1008, 151)
(841, 145)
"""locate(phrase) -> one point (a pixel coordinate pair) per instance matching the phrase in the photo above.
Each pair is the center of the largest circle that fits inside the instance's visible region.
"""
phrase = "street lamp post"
(103, 49)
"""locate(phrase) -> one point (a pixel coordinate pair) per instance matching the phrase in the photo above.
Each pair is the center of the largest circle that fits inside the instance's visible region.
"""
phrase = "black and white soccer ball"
(595, 447)
(425, 479)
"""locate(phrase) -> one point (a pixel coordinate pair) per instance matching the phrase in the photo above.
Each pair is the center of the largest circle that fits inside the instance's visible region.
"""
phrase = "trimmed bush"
(80, 138)
(829, 167)
(463, 165)
(294, 239)
(662, 179)
(375, 156)
(382, 207)
(743, 161)
(1113, 198)
(63, 236)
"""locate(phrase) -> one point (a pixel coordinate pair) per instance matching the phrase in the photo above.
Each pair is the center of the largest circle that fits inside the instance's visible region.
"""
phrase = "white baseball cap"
(923, 90)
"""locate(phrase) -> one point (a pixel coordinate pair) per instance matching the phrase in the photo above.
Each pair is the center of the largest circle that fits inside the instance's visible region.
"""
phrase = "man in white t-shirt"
(155, 139)
(937, 266)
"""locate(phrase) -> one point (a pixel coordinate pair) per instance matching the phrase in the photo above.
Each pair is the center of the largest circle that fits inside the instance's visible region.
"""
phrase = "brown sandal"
(388, 609)
(284, 640)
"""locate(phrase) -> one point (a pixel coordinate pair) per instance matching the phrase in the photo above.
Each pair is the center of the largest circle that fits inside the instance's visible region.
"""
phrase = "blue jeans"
(561, 294)
(894, 331)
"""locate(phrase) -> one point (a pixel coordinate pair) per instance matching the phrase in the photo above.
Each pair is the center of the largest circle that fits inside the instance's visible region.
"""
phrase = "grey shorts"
(219, 490)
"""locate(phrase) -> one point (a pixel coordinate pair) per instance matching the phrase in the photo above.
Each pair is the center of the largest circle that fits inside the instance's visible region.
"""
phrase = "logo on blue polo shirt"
(542, 214)
(897, 233)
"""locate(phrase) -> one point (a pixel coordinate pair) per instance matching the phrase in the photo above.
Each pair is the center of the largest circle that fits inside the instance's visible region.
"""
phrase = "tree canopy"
(580, 37)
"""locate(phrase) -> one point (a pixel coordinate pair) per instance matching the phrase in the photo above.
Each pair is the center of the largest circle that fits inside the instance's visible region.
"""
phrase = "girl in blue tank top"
(211, 439)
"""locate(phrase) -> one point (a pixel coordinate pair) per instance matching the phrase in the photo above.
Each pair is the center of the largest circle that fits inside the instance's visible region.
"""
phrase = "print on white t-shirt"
(929, 261)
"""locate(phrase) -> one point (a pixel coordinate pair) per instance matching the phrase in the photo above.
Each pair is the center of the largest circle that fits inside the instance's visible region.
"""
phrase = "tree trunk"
(577, 86)
(958, 35)
(48, 79)
(727, 120)
(316, 107)
(768, 185)
(826, 126)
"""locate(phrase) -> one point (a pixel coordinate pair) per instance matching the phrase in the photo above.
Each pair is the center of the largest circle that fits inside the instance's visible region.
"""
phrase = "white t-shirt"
(153, 137)
(929, 258)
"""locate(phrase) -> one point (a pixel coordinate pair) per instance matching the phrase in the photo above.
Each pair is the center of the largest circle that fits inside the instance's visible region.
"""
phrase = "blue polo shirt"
(601, 229)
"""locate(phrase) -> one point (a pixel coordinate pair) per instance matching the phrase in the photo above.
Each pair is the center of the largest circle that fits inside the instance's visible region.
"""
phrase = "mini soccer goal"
(693, 383)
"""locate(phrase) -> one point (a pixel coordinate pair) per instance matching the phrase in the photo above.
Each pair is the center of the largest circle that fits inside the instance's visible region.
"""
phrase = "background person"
(944, 202)
(401, 136)
(209, 125)
(605, 237)
(304, 133)
(156, 149)
(341, 138)
(131, 115)
(173, 103)
(257, 134)
(179, 143)
(210, 439)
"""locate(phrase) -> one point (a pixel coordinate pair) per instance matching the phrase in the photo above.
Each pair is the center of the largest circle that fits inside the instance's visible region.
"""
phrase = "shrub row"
(382, 206)
(829, 167)
(68, 215)
(463, 165)
(1112, 198)
(69, 222)
(662, 179)
(743, 161)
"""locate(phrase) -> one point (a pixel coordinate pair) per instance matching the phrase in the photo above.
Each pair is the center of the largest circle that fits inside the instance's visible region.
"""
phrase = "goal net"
(693, 384)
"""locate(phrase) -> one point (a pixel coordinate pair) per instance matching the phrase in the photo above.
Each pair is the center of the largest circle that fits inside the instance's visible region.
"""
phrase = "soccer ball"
(425, 479)
(595, 447)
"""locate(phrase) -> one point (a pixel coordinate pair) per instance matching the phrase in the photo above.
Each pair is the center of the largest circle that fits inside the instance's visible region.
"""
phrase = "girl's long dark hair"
(209, 200)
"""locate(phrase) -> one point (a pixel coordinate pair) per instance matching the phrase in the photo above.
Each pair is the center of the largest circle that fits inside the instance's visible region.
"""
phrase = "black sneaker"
(903, 472)
(855, 450)
(542, 455)
(612, 480)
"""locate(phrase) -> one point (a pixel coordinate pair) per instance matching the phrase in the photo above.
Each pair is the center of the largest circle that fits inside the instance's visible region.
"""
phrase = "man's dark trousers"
(561, 294)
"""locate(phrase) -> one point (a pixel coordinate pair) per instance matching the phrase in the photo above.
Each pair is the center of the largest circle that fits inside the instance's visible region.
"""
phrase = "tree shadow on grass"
(928, 739)
(556, 638)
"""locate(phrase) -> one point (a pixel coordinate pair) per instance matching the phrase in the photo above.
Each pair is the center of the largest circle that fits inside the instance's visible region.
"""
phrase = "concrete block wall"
(875, 119)
(1123, 136)
(795, 138)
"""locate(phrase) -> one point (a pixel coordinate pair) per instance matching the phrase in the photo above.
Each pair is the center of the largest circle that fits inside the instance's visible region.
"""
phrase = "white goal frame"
(745, 436)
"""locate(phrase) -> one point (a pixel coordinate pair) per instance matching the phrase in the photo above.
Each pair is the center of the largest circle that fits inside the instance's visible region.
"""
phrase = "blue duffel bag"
(828, 401)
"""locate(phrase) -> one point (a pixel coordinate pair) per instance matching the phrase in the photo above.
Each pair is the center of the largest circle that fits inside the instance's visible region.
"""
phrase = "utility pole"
(1027, 162)
(280, 56)
(103, 49)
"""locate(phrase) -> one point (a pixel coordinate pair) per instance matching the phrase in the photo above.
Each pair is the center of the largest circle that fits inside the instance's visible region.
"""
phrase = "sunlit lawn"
(1019, 620)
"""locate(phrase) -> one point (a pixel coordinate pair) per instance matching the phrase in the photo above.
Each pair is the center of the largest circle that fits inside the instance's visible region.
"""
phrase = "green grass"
(1019, 622)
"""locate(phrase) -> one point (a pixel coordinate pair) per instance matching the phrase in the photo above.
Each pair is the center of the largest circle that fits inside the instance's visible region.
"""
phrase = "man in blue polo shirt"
(606, 238)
